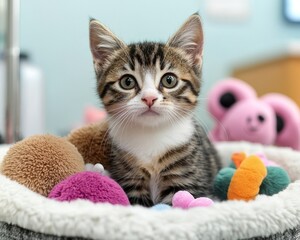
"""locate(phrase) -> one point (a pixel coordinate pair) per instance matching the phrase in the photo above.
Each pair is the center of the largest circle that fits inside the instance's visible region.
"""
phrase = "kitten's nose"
(149, 100)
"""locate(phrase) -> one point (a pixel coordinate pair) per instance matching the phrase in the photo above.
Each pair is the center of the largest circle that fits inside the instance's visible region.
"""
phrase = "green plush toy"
(261, 176)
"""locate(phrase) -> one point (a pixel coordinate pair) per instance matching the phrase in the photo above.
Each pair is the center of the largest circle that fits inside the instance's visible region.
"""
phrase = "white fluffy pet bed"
(27, 215)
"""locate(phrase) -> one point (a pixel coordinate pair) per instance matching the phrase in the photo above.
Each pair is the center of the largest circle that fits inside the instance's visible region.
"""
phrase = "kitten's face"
(149, 84)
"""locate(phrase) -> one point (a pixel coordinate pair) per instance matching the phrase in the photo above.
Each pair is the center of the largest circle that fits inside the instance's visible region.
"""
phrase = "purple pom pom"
(91, 186)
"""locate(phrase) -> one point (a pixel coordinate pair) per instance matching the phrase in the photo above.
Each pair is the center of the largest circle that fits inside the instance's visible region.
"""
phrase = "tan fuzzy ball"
(40, 162)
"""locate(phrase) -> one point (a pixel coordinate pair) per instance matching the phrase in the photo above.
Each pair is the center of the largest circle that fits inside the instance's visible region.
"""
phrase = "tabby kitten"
(150, 93)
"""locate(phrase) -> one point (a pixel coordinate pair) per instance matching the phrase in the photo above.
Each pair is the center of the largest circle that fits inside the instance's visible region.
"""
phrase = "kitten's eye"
(127, 82)
(169, 81)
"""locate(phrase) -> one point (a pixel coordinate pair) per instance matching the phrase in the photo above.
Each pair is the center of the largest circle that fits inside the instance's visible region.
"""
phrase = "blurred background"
(258, 41)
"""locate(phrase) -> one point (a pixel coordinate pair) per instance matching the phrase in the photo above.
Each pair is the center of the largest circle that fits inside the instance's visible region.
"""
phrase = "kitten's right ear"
(103, 42)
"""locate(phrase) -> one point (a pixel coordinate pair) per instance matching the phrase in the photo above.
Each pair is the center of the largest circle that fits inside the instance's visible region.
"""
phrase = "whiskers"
(124, 119)
(217, 122)
(117, 117)
(177, 115)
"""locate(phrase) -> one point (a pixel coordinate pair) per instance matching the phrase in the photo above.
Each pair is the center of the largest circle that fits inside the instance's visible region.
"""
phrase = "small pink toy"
(93, 114)
(241, 116)
(91, 186)
(266, 161)
(184, 200)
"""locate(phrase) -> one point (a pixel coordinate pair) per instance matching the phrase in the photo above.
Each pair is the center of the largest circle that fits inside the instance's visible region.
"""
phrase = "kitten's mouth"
(150, 112)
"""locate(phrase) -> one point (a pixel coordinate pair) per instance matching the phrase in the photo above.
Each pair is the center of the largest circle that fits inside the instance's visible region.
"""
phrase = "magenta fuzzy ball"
(91, 186)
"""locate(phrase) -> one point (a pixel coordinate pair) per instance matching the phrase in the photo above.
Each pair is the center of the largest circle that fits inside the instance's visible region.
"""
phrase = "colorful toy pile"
(53, 167)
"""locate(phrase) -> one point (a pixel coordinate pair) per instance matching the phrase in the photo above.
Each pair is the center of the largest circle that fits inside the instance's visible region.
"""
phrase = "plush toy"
(249, 177)
(161, 207)
(93, 115)
(40, 162)
(184, 200)
(240, 115)
(246, 180)
(93, 143)
(91, 186)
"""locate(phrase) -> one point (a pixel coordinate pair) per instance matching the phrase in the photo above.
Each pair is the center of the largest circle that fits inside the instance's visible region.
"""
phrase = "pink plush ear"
(288, 120)
(225, 94)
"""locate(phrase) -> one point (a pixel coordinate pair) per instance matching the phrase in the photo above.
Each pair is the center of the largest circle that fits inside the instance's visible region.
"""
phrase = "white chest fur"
(148, 144)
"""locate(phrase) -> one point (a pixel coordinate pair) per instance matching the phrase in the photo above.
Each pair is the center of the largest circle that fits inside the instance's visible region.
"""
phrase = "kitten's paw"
(96, 168)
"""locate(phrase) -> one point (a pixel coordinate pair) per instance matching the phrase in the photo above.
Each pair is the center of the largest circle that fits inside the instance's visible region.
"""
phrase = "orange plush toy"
(248, 177)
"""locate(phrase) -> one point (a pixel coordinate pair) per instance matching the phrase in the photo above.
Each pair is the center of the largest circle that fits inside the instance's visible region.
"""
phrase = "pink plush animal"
(241, 116)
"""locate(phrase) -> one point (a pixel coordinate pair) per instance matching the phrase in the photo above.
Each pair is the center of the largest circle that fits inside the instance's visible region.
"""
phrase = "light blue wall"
(56, 34)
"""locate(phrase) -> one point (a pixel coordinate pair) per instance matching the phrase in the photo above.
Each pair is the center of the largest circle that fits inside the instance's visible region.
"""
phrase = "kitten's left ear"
(189, 37)
(103, 43)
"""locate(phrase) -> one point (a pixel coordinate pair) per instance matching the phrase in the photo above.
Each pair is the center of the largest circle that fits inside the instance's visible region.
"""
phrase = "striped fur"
(191, 166)
(159, 149)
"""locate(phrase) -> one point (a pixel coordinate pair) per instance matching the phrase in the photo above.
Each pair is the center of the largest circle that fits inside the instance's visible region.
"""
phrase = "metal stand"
(12, 52)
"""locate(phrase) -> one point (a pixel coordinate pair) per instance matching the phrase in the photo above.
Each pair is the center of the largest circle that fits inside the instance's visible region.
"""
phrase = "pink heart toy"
(185, 200)
(201, 202)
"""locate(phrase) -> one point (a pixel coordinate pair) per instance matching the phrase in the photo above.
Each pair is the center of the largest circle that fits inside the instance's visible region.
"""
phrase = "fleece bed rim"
(265, 216)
